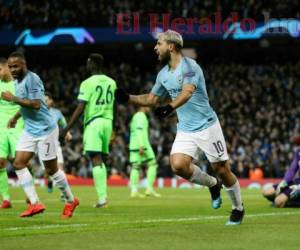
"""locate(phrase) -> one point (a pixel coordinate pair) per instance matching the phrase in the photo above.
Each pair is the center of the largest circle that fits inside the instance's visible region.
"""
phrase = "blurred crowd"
(17, 14)
(257, 105)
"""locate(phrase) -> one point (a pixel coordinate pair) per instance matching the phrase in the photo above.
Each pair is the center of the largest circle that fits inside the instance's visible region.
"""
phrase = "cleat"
(152, 193)
(136, 194)
(101, 205)
(6, 204)
(236, 217)
(215, 193)
(33, 209)
(69, 208)
(215, 204)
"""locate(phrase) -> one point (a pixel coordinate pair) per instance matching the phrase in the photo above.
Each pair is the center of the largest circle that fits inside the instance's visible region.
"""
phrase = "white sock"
(202, 178)
(26, 182)
(234, 193)
(61, 182)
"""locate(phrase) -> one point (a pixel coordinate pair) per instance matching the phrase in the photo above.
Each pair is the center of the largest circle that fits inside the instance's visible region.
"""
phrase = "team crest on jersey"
(179, 79)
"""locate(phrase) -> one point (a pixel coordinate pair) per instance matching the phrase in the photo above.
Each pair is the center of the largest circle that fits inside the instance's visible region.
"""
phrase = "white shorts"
(60, 158)
(210, 140)
(45, 146)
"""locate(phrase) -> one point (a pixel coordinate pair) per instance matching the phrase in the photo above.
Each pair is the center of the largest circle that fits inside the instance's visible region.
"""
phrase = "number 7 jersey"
(98, 93)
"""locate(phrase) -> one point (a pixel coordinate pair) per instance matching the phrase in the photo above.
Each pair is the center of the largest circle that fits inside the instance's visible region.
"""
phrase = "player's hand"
(295, 191)
(142, 151)
(163, 111)
(7, 96)
(68, 136)
(12, 123)
(113, 137)
(62, 136)
(121, 96)
(282, 185)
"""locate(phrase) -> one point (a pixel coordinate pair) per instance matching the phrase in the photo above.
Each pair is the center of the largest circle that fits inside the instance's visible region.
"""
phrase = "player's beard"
(165, 58)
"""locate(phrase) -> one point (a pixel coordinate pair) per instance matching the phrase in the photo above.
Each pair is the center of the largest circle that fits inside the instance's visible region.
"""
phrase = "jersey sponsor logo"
(174, 92)
(190, 74)
(33, 90)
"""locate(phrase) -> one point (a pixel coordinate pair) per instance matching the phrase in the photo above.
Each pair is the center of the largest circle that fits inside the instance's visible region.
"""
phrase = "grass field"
(181, 219)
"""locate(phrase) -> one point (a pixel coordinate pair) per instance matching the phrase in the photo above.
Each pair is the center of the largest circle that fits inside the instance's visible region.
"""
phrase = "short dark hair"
(97, 60)
(17, 54)
(3, 60)
(49, 95)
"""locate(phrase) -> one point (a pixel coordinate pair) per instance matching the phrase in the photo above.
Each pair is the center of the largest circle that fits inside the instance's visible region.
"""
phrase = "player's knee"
(221, 169)
(179, 167)
(18, 164)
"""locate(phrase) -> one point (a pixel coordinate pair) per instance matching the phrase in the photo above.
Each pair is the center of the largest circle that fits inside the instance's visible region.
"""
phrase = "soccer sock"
(60, 180)
(26, 182)
(4, 184)
(234, 193)
(151, 174)
(99, 176)
(202, 178)
(134, 177)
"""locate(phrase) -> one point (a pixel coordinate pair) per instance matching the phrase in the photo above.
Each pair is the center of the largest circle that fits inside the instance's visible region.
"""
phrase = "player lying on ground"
(287, 192)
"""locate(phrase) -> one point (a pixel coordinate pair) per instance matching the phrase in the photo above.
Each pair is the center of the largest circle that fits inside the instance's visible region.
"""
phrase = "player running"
(141, 153)
(9, 137)
(39, 135)
(96, 100)
(198, 127)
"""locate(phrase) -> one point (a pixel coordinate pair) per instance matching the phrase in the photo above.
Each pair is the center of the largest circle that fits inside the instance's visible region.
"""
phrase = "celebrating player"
(141, 153)
(96, 99)
(198, 126)
(40, 135)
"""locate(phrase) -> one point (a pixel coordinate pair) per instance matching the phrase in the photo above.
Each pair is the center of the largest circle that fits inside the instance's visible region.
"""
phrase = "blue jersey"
(37, 122)
(196, 114)
(58, 117)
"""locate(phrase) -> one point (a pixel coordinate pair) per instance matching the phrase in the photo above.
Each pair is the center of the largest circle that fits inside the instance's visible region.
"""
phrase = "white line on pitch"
(148, 221)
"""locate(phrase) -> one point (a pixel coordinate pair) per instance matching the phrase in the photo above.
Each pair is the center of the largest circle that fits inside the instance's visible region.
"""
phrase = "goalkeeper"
(287, 192)
(141, 153)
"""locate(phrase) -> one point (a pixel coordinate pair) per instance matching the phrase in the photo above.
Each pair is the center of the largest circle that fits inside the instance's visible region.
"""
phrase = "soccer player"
(60, 120)
(9, 137)
(198, 126)
(286, 193)
(40, 135)
(141, 153)
(96, 99)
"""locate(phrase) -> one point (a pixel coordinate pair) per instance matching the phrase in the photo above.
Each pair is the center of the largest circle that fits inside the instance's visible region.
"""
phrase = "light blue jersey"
(58, 117)
(37, 122)
(196, 114)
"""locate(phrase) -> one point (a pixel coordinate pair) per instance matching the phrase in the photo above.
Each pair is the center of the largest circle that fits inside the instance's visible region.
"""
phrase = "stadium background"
(253, 84)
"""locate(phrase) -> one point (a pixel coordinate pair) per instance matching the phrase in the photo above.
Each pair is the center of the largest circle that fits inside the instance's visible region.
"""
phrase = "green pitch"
(180, 219)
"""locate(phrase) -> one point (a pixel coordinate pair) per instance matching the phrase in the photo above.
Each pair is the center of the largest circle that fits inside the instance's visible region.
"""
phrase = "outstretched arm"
(144, 100)
(33, 104)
